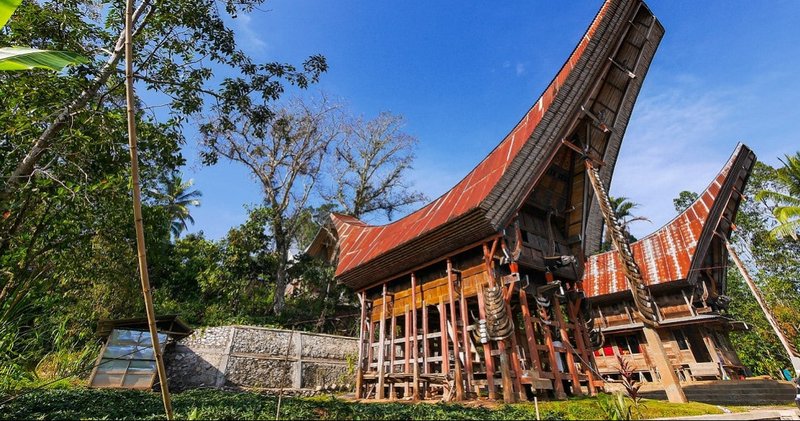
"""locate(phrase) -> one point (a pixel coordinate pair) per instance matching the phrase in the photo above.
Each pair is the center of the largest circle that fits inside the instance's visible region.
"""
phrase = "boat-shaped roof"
(677, 251)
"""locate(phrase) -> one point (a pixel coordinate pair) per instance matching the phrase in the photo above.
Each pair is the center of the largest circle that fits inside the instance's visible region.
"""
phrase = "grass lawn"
(79, 403)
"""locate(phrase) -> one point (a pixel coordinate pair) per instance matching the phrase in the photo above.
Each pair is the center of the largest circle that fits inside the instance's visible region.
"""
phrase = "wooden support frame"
(362, 297)
(459, 378)
(443, 339)
(414, 334)
(488, 359)
(572, 369)
(392, 350)
(407, 349)
(579, 332)
(382, 348)
(558, 385)
(464, 306)
(533, 348)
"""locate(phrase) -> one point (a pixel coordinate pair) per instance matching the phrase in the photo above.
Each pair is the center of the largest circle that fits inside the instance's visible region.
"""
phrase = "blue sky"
(463, 73)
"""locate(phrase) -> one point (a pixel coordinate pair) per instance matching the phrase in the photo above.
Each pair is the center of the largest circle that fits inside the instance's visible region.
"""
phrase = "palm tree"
(176, 199)
(622, 208)
(786, 197)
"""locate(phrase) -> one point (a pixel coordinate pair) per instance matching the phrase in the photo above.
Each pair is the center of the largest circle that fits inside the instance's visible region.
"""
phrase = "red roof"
(367, 252)
(360, 242)
(674, 252)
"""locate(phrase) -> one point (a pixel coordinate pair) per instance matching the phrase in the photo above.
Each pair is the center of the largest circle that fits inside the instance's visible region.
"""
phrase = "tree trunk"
(281, 275)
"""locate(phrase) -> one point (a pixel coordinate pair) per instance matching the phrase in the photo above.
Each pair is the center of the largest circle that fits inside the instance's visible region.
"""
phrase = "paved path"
(756, 414)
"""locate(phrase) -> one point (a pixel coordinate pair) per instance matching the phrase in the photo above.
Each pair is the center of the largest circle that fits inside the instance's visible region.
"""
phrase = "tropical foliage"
(176, 198)
(22, 58)
(775, 269)
(784, 195)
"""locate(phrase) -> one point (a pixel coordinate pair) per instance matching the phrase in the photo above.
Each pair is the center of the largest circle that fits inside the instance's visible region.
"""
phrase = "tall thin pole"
(765, 308)
(137, 209)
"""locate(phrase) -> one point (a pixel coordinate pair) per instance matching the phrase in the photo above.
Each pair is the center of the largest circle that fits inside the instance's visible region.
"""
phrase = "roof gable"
(487, 197)
(676, 251)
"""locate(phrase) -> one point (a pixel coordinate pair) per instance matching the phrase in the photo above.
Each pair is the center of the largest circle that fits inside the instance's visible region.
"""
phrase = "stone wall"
(253, 357)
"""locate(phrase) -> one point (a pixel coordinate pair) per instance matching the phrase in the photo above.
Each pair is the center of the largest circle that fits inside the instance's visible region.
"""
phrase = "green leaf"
(7, 8)
(22, 58)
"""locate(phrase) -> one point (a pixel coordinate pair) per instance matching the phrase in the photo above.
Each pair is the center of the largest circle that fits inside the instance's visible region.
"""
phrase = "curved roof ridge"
(468, 194)
(523, 122)
(669, 253)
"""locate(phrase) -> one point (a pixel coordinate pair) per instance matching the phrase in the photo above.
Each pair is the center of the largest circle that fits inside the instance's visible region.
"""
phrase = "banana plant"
(23, 58)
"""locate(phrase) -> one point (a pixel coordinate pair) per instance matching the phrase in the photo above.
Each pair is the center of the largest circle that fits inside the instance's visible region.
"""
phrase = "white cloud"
(675, 141)
(520, 69)
(250, 39)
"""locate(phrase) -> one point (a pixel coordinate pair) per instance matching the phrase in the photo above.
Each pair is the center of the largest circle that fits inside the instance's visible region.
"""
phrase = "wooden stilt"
(459, 375)
(533, 349)
(515, 360)
(445, 353)
(487, 350)
(392, 350)
(579, 332)
(407, 350)
(382, 347)
(562, 328)
(558, 385)
(371, 344)
(426, 368)
(414, 334)
(466, 339)
(361, 354)
(505, 369)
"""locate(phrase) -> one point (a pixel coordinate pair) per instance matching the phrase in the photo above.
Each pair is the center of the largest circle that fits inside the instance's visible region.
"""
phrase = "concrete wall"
(254, 357)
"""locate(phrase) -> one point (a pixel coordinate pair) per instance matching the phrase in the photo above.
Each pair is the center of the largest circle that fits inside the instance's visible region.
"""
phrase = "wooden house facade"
(684, 264)
(479, 292)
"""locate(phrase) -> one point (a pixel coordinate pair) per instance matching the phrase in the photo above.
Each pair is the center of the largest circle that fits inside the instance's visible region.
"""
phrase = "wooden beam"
(443, 339)
(466, 339)
(370, 348)
(562, 328)
(530, 332)
(459, 378)
(407, 349)
(382, 347)
(558, 386)
(578, 331)
(515, 359)
(426, 368)
(392, 350)
(487, 350)
(360, 367)
(414, 335)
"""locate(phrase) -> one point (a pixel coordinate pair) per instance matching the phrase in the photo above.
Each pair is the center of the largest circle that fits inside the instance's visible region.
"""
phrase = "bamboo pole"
(765, 308)
(137, 210)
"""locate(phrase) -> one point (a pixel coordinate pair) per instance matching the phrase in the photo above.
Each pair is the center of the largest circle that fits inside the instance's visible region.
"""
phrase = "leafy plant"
(615, 407)
(24, 58)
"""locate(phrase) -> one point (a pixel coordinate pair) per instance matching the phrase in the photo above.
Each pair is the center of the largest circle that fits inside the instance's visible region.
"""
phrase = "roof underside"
(484, 201)
(678, 250)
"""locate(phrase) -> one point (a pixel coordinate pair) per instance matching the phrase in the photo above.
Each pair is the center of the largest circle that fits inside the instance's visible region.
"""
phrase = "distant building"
(685, 265)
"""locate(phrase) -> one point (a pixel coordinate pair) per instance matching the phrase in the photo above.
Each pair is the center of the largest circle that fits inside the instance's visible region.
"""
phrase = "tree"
(369, 165)
(66, 242)
(775, 270)
(684, 200)
(622, 208)
(785, 197)
(177, 42)
(177, 198)
(283, 153)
